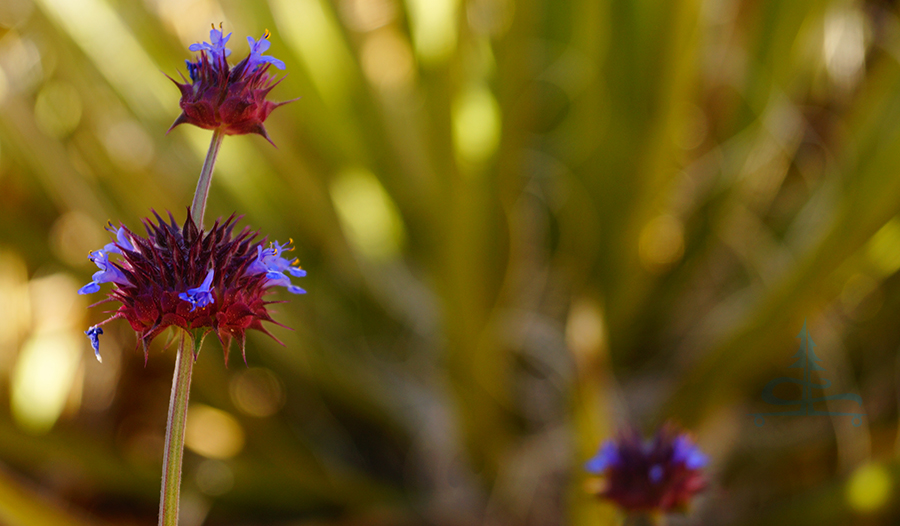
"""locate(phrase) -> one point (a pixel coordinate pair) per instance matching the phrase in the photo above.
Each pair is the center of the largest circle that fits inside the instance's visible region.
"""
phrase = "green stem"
(174, 451)
(198, 207)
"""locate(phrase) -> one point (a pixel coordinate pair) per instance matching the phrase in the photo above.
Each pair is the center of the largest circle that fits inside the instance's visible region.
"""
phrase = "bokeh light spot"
(883, 250)
(257, 392)
(869, 488)
(213, 433)
(43, 378)
(433, 28)
(75, 234)
(368, 215)
(387, 59)
(57, 109)
(214, 477)
(366, 15)
(476, 124)
(128, 145)
(661, 243)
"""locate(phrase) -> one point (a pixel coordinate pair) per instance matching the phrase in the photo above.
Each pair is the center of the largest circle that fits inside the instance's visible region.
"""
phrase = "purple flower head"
(269, 262)
(226, 98)
(156, 280)
(661, 474)
(200, 296)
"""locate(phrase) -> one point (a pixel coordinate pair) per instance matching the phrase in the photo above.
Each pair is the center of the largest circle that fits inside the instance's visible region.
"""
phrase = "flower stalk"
(198, 207)
(189, 279)
(174, 449)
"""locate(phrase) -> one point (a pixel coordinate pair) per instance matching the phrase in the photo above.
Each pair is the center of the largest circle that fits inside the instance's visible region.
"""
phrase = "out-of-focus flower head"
(187, 278)
(657, 475)
(220, 96)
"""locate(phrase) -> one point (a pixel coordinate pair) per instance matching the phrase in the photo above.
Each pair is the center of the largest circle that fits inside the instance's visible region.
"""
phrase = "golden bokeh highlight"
(213, 433)
(869, 488)
(476, 124)
(883, 249)
(45, 372)
(257, 392)
(368, 215)
(661, 243)
(57, 109)
(387, 60)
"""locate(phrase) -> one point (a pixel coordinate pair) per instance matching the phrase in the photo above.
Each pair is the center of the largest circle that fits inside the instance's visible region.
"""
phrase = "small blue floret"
(606, 457)
(94, 334)
(270, 262)
(257, 48)
(108, 272)
(215, 47)
(688, 453)
(202, 295)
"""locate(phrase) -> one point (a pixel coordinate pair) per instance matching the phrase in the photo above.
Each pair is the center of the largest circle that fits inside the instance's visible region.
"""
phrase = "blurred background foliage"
(527, 224)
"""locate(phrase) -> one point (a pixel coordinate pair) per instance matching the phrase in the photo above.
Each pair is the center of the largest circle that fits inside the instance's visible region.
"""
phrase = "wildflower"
(269, 260)
(200, 296)
(232, 99)
(658, 475)
(93, 334)
(183, 277)
(108, 272)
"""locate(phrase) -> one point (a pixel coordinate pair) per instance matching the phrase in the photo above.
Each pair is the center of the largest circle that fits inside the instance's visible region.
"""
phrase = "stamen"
(266, 34)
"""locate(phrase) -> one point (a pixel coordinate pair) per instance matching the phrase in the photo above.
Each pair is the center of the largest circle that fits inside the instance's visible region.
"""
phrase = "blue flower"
(270, 262)
(108, 272)
(257, 48)
(202, 295)
(215, 47)
(94, 334)
(607, 456)
(121, 241)
(688, 453)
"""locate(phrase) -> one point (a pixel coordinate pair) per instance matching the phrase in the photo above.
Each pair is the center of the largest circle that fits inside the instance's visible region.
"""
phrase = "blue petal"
(296, 272)
(207, 281)
(295, 289)
(607, 456)
(90, 288)
(93, 334)
(200, 296)
(257, 48)
(688, 453)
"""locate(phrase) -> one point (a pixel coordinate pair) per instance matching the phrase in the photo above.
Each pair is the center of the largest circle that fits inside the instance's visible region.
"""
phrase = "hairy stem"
(174, 451)
(198, 207)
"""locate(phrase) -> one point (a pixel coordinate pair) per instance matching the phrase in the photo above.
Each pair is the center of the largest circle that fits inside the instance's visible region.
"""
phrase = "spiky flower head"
(220, 96)
(657, 475)
(181, 276)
